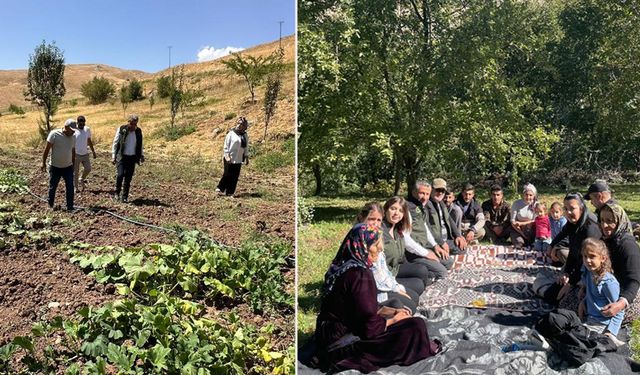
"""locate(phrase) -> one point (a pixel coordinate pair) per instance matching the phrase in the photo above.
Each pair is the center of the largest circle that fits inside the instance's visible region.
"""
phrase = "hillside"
(226, 96)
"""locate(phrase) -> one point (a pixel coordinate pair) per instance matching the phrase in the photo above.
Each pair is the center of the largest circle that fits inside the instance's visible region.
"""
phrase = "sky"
(137, 34)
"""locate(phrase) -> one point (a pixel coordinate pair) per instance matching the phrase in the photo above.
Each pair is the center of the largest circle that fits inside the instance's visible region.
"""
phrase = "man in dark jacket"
(444, 230)
(497, 215)
(434, 256)
(472, 215)
(126, 153)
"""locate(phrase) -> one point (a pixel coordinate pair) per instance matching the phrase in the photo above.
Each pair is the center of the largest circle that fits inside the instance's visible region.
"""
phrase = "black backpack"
(567, 336)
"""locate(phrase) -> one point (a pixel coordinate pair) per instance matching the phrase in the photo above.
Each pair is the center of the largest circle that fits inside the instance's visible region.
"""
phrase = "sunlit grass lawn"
(319, 241)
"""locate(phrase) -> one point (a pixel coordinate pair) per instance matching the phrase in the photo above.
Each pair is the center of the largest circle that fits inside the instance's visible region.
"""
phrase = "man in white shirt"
(83, 143)
(61, 143)
(125, 154)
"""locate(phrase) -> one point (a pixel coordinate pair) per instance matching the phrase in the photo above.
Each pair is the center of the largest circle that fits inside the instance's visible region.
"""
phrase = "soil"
(37, 284)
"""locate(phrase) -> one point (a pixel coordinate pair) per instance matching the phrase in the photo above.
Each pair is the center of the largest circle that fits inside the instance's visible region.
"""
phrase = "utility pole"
(280, 40)
(169, 56)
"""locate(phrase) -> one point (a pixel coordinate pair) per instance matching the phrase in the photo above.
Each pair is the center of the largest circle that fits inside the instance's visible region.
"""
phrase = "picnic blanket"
(491, 276)
(487, 304)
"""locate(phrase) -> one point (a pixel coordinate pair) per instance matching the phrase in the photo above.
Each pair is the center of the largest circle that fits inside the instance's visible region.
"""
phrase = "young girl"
(543, 228)
(388, 287)
(556, 219)
(600, 288)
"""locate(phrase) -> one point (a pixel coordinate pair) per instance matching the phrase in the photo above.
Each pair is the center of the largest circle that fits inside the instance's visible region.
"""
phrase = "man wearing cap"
(600, 194)
(61, 143)
(83, 143)
(443, 228)
(472, 215)
(421, 245)
(125, 154)
(497, 214)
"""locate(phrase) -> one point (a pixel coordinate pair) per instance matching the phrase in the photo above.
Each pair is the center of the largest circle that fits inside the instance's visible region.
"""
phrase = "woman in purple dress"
(350, 334)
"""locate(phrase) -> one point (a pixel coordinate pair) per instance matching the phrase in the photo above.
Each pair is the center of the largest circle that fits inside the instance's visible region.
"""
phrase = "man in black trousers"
(126, 153)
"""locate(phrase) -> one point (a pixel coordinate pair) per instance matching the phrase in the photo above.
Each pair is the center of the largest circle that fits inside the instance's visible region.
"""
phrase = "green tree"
(136, 90)
(253, 69)
(125, 97)
(163, 85)
(45, 82)
(97, 90)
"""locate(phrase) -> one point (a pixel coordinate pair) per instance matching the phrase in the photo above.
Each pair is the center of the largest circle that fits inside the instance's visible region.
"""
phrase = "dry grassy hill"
(226, 97)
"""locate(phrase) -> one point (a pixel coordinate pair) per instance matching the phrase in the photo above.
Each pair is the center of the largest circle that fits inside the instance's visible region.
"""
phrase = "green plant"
(73, 102)
(97, 90)
(163, 85)
(136, 90)
(45, 82)
(229, 116)
(197, 267)
(11, 181)
(304, 211)
(16, 109)
(172, 133)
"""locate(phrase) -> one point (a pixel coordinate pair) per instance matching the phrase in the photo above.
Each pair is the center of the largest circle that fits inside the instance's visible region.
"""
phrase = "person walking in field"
(83, 143)
(60, 143)
(125, 154)
(235, 152)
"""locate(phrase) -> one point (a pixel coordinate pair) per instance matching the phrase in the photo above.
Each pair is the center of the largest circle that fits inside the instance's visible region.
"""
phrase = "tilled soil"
(36, 284)
(40, 284)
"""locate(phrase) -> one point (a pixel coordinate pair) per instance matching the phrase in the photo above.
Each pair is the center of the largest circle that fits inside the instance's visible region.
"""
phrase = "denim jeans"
(55, 174)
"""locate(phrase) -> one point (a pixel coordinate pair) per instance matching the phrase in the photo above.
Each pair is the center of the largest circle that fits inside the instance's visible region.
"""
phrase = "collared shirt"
(385, 282)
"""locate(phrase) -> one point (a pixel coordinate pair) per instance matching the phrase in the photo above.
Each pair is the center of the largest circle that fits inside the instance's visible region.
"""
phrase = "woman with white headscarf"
(522, 217)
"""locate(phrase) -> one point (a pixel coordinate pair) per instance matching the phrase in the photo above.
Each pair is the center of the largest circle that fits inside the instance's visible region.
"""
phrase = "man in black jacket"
(126, 153)
(443, 228)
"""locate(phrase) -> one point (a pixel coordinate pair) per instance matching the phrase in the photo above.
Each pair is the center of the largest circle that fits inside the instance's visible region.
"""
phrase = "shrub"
(172, 133)
(164, 87)
(135, 90)
(229, 116)
(305, 212)
(97, 90)
(16, 109)
(73, 102)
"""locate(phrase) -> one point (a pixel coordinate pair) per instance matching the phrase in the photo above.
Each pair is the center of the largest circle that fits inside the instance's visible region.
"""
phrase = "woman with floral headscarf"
(349, 332)
(523, 217)
(625, 259)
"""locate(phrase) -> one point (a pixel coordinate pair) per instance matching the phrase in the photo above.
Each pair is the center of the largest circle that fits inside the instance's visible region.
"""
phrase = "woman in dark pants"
(350, 334)
(395, 225)
(236, 145)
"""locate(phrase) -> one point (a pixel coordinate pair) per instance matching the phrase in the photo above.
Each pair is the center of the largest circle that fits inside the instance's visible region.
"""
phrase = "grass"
(333, 216)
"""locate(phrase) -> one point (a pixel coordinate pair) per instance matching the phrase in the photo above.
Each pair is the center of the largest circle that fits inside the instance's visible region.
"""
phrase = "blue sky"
(135, 34)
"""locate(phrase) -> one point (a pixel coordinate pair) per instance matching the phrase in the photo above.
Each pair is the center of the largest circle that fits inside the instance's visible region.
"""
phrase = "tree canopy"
(465, 89)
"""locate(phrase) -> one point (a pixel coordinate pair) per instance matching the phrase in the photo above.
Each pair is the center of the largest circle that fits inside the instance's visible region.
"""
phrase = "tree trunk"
(397, 175)
(318, 177)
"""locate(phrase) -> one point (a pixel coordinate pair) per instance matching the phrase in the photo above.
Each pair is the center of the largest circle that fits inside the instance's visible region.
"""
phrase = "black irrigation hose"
(290, 260)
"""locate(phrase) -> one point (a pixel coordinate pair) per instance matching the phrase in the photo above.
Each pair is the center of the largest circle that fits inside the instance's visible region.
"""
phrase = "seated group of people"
(395, 251)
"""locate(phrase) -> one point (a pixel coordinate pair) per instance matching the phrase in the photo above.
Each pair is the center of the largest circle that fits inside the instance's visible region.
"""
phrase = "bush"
(305, 212)
(172, 133)
(15, 109)
(73, 102)
(135, 90)
(97, 90)
(164, 87)
(229, 116)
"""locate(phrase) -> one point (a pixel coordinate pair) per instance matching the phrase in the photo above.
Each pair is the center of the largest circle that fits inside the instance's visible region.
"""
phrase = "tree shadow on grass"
(328, 214)
(312, 300)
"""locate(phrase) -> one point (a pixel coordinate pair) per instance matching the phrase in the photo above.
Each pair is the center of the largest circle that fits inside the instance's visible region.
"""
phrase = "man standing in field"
(61, 143)
(83, 143)
(125, 154)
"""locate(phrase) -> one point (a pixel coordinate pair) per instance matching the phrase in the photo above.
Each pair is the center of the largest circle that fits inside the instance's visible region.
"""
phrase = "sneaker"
(219, 191)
